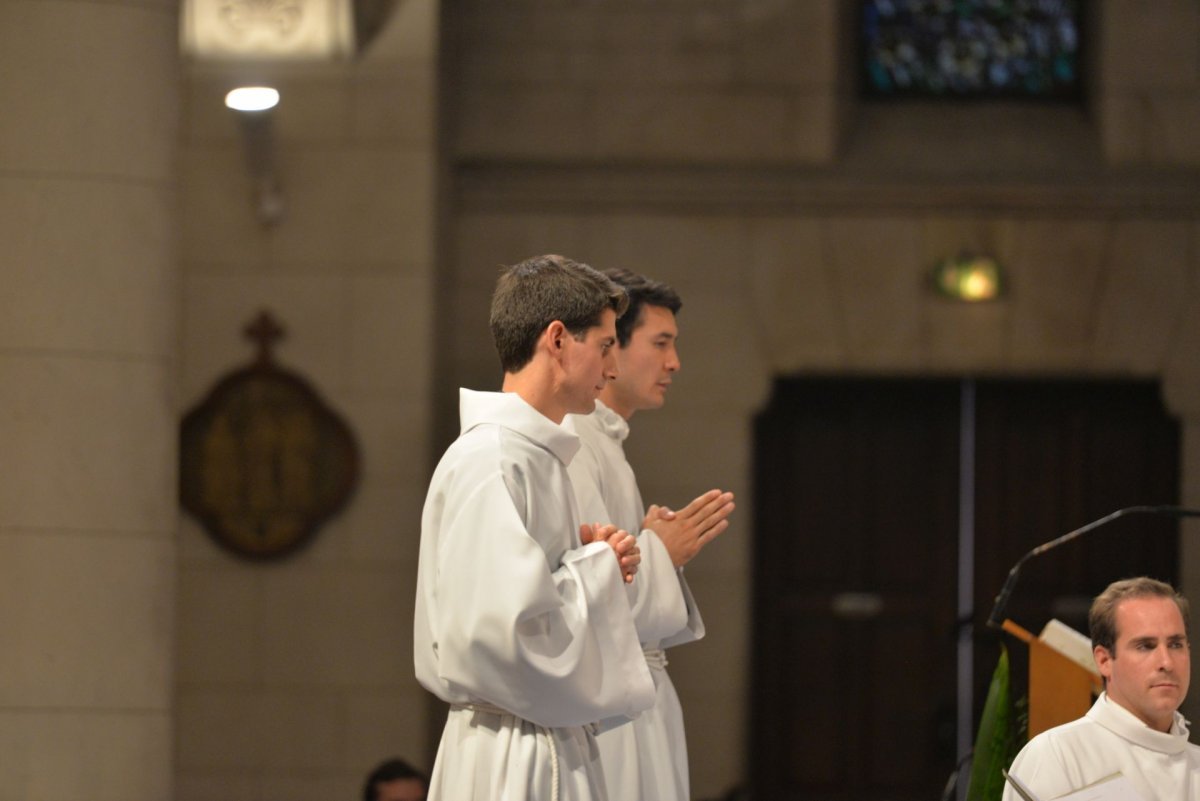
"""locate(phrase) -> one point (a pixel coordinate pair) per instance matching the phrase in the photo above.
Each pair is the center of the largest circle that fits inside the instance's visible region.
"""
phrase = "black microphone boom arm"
(996, 619)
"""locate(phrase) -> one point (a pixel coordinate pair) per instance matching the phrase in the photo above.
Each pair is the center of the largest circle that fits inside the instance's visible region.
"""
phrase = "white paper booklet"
(1111, 788)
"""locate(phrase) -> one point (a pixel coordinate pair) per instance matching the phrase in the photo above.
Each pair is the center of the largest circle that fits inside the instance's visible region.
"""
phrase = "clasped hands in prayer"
(685, 532)
(623, 543)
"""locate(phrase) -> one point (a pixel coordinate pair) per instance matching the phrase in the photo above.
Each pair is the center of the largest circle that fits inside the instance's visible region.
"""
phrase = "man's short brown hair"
(1102, 617)
(536, 292)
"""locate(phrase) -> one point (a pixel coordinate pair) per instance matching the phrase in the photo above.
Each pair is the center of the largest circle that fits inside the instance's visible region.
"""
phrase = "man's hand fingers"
(715, 514)
(699, 503)
(711, 533)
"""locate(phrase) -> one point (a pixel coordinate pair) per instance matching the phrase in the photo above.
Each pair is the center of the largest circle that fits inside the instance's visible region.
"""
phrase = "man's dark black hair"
(642, 291)
(390, 770)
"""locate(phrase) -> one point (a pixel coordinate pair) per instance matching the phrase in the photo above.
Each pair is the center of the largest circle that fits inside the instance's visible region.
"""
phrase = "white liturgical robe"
(645, 760)
(1161, 766)
(524, 631)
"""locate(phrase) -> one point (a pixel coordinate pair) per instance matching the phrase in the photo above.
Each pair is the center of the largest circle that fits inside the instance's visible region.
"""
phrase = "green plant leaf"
(998, 739)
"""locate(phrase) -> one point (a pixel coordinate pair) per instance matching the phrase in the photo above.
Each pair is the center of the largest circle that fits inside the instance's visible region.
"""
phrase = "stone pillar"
(88, 93)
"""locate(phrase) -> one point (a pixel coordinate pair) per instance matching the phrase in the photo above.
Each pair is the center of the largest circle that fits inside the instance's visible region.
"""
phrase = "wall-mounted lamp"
(253, 106)
(237, 37)
(969, 278)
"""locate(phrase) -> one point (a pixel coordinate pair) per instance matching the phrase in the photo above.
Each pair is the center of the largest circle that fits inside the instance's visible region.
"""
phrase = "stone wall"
(294, 678)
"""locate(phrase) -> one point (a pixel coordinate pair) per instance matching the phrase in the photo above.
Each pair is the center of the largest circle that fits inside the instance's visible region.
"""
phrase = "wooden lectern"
(1060, 690)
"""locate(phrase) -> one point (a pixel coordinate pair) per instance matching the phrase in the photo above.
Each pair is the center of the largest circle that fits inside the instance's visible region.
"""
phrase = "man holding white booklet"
(1139, 641)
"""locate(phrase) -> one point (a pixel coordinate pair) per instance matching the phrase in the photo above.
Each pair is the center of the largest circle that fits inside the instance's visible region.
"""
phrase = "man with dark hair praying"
(646, 759)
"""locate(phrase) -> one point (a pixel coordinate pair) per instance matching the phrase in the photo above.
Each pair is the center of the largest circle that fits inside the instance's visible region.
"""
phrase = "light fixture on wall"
(254, 107)
(232, 38)
(969, 278)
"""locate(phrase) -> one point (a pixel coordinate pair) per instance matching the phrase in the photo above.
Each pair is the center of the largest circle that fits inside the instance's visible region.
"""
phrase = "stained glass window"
(971, 48)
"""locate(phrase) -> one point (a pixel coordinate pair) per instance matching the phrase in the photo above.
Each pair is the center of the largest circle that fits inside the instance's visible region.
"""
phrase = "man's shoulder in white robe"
(522, 629)
(1162, 766)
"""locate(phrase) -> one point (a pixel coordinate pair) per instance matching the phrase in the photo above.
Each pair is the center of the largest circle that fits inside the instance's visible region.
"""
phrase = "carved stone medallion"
(263, 460)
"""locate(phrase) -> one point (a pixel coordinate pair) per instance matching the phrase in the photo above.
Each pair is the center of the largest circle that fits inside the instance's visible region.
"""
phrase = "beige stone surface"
(394, 438)
(1150, 44)
(409, 34)
(219, 633)
(1181, 376)
(714, 353)
(1055, 269)
(381, 723)
(963, 338)
(115, 754)
(394, 105)
(684, 124)
(217, 785)
(75, 242)
(529, 24)
(72, 599)
(495, 120)
(699, 253)
(218, 226)
(791, 43)
(790, 286)
(1172, 120)
(104, 466)
(356, 206)
(390, 319)
(1143, 293)
(622, 68)
(383, 524)
(879, 289)
(221, 729)
(336, 627)
(87, 100)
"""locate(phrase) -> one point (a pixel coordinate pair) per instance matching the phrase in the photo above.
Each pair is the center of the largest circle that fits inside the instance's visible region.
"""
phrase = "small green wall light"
(971, 279)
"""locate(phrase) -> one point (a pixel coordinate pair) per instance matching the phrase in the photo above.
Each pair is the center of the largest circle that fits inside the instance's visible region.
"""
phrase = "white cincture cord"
(491, 709)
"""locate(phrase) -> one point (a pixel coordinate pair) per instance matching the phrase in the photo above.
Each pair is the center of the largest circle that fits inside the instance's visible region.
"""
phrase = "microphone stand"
(996, 618)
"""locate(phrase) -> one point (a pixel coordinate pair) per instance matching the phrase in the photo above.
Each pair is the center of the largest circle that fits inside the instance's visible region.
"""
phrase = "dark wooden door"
(1054, 456)
(857, 498)
(855, 590)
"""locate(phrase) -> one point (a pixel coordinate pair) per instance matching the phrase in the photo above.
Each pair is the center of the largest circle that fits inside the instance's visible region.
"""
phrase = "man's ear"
(554, 335)
(1103, 661)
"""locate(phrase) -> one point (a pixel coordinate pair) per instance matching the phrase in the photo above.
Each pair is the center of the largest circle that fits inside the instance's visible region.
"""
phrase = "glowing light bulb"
(252, 98)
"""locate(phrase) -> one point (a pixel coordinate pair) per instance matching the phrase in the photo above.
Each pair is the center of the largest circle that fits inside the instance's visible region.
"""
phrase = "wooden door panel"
(855, 561)
(856, 485)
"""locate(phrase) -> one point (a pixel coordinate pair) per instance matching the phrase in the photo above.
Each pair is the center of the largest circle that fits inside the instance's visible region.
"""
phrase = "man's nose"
(673, 363)
(1166, 657)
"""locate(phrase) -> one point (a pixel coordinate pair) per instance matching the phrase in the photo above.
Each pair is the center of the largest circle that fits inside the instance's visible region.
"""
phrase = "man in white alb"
(646, 760)
(522, 622)
(1139, 641)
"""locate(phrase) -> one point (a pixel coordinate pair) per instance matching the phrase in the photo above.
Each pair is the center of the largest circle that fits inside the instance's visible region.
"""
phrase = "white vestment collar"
(611, 423)
(1123, 723)
(509, 410)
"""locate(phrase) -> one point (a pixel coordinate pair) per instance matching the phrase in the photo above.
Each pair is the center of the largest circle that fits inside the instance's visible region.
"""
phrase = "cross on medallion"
(264, 331)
